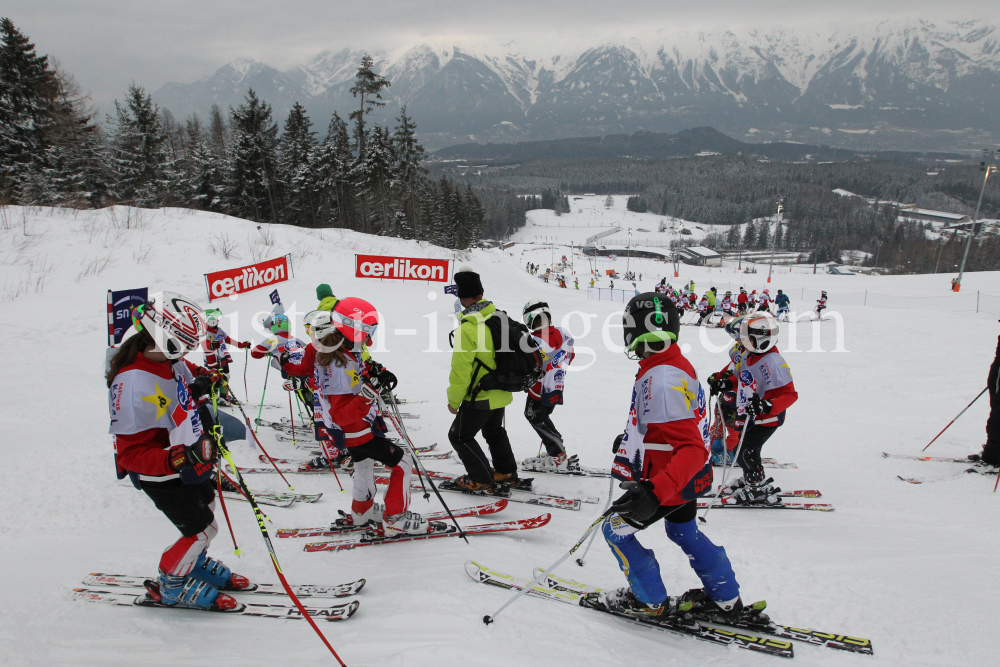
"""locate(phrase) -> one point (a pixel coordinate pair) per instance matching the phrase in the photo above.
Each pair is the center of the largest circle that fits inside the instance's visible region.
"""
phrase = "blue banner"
(120, 310)
(275, 298)
(451, 289)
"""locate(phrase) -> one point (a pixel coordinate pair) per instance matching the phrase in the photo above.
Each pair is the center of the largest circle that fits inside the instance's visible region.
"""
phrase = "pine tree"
(253, 189)
(139, 154)
(368, 86)
(608, 203)
(733, 236)
(409, 154)
(27, 87)
(750, 235)
(297, 144)
(218, 135)
(763, 235)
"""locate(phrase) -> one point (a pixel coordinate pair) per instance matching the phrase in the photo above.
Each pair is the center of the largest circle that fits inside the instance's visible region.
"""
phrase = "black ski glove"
(386, 381)
(617, 443)
(758, 406)
(718, 383)
(638, 504)
(201, 452)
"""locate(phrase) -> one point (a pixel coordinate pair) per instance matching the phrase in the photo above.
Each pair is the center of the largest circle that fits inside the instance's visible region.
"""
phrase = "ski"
(267, 610)
(827, 639)
(924, 480)
(557, 502)
(728, 502)
(914, 457)
(99, 579)
(277, 500)
(573, 469)
(437, 529)
(768, 463)
(798, 493)
(560, 593)
(323, 531)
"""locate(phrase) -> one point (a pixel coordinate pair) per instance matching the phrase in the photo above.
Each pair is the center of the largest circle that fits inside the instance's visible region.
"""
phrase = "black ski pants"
(540, 418)
(468, 422)
(749, 459)
(991, 451)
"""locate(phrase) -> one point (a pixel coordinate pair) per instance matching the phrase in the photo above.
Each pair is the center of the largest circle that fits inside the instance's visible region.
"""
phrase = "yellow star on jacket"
(159, 400)
(687, 393)
(353, 374)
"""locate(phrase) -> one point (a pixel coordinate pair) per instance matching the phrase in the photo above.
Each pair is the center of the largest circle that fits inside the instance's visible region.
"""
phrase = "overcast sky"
(106, 44)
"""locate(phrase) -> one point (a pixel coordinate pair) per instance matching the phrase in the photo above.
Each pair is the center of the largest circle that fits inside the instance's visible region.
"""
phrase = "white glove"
(370, 394)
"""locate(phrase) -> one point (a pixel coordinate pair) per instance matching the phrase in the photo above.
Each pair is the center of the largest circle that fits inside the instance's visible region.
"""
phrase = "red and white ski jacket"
(703, 305)
(766, 375)
(557, 343)
(276, 345)
(214, 347)
(666, 439)
(742, 298)
(765, 300)
(727, 304)
(820, 304)
(151, 411)
(339, 393)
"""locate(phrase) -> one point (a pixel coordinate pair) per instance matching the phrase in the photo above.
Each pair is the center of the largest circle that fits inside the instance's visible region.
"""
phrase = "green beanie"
(322, 291)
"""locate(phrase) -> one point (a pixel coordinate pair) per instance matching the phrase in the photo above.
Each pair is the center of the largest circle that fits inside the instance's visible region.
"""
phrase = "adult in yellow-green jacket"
(476, 409)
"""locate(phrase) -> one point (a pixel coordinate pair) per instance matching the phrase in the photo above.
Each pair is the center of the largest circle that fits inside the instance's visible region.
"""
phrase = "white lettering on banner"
(401, 268)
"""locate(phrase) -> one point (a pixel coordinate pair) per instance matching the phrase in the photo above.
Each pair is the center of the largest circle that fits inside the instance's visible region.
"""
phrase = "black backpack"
(520, 361)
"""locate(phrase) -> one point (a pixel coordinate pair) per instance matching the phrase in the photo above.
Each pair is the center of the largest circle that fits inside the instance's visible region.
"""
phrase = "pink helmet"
(355, 319)
(767, 292)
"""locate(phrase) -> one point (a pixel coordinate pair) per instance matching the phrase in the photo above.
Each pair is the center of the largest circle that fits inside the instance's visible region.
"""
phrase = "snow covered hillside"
(908, 566)
(588, 216)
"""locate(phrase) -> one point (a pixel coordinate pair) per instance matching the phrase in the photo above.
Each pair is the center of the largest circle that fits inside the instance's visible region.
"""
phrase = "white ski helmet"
(759, 332)
(318, 323)
(176, 323)
(532, 310)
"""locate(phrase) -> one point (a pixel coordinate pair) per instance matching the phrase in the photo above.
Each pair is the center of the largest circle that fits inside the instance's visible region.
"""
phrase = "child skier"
(162, 444)
(348, 393)
(764, 391)
(547, 393)
(782, 302)
(703, 310)
(764, 302)
(820, 306)
(727, 304)
(662, 462)
(741, 301)
(217, 355)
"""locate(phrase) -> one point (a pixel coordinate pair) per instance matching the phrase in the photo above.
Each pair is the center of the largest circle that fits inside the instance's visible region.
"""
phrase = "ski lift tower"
(774, 246)
(984, 166)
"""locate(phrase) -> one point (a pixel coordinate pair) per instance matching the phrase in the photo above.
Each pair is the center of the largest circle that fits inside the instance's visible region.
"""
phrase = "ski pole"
(261, 408)
(270, 548)
(222, 501)
(256, 439)
(398, 423)
(230, 480)
(394, 418)
(246, 362)
(291, 418)
(725, 470)
(611, 490)
(538, 579)
(956, 419)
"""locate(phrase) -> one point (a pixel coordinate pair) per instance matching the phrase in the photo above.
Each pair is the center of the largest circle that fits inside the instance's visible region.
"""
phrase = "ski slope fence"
(971, 302)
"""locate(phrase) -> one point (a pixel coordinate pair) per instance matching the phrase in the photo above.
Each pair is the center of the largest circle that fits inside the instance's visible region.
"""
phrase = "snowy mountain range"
(898, 84)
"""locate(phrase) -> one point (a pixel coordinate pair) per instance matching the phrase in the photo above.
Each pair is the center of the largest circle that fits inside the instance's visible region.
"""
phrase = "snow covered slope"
(908, 566)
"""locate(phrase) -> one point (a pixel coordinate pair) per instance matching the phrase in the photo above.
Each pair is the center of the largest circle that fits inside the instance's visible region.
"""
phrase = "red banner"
(401, 268)
(248, 278)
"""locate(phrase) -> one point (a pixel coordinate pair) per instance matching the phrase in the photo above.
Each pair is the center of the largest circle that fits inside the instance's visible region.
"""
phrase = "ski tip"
(361, 584)
(487, 619)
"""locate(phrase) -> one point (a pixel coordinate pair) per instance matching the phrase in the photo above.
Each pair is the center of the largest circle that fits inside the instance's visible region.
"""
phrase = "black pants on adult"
(749, 459)
(468, 422)
(540, 418)
(991, 451)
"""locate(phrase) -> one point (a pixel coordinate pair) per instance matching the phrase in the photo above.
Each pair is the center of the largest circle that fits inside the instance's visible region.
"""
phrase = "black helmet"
(649, 317)
(779, 291)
